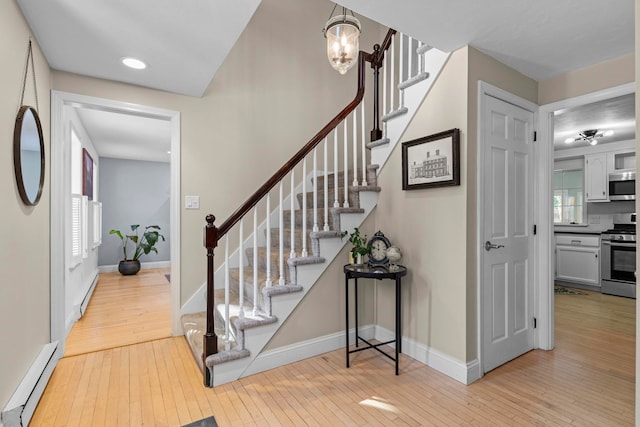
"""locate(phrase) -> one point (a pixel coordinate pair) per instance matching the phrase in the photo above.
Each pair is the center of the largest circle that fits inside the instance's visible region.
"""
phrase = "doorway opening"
(67, 107)
(573, 211)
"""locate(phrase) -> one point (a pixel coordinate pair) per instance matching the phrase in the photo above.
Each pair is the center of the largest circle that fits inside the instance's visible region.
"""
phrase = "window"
(568, 197)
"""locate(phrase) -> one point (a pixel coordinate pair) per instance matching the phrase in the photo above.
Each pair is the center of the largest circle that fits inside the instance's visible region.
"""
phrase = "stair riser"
(262, 264)
(310, 219)
(371, 178)
(352, 197)
(275, 240)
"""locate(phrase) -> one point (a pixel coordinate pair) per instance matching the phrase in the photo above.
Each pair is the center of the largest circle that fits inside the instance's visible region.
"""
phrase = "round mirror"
(28, 155)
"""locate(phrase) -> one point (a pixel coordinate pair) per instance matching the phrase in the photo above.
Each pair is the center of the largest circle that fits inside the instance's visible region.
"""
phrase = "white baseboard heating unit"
(22, 404)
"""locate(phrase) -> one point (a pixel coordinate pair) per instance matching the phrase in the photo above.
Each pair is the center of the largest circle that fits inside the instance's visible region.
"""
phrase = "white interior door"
(507, 244)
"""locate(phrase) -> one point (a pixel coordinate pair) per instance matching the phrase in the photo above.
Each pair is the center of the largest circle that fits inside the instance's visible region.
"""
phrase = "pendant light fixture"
(343, 40)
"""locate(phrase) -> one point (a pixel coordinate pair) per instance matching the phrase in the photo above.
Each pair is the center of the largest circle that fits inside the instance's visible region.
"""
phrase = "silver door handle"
(488, 246)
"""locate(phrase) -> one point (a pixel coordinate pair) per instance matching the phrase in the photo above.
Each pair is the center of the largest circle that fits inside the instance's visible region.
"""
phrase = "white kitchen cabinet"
(595, 177)
(578, 258)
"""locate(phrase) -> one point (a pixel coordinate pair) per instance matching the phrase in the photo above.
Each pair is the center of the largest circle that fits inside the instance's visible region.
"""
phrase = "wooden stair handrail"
(376, 60)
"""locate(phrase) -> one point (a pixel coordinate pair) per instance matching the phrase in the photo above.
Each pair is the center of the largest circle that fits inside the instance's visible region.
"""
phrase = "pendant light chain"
(33, 73)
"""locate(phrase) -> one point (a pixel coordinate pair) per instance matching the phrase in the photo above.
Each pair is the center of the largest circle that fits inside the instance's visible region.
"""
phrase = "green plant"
(358, 242)
(144, 244)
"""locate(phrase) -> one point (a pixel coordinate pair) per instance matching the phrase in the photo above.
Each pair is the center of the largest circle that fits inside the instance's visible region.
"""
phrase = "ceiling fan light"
(593, 141)
(569, 141)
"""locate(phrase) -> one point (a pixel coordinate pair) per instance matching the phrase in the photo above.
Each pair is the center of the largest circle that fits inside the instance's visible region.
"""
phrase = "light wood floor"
(587, 380)
(123, 310)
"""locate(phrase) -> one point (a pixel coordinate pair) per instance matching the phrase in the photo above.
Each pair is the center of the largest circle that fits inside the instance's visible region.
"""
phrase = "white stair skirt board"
(143, 266)
(22, 404)
(303, 350)
(466, 373)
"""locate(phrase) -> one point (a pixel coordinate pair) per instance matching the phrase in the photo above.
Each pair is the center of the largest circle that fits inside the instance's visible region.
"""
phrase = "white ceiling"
(540, 38)
(185, 42)
(125, 136)
(617, 114)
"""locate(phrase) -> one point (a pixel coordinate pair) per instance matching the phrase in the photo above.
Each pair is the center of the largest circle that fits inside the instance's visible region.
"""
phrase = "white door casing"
(544, 207)
(59, 154)
(506, 188)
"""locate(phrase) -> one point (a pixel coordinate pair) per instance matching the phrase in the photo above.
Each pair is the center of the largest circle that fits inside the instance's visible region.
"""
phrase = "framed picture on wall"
(87, 174)
(431, 161)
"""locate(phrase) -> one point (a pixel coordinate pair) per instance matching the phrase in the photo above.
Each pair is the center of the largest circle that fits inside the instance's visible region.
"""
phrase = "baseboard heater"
(22, 404)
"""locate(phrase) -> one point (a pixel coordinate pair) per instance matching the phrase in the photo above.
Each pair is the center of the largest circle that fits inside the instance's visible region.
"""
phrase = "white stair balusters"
(227, 336)
(241, 272)
(345, 165)
(392, 62)
(255, 261)
(281, 237)
(401, 72)
(268, 236)
(315, 189)
(409, 57)
(355, 147)
(363, 144)
(336, 202)
(326, 186)
(292, 253)
(305, 253)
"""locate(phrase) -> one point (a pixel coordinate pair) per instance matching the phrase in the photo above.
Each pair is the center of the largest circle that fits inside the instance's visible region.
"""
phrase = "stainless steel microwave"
(622, 185)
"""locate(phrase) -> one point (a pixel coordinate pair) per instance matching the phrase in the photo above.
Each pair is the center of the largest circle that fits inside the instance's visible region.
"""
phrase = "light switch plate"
(192, 202)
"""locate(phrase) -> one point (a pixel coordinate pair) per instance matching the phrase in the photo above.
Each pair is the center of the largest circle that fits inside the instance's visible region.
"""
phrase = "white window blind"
(85, 227)
(96, 208)
(76, 230)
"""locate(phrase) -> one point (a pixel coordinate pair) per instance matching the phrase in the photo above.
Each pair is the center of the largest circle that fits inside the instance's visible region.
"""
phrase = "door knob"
(488, 246)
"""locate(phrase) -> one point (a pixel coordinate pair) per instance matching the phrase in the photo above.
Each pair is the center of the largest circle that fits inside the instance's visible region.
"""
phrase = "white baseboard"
(22, 404)
(303, 350)
(466, 373)
(143, 266)
(88, 295)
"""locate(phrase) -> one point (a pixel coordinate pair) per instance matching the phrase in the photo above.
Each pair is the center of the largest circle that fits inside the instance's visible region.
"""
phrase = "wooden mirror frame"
(17, 160)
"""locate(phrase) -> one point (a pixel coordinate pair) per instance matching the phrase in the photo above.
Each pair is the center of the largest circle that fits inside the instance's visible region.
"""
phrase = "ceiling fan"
(589, 136)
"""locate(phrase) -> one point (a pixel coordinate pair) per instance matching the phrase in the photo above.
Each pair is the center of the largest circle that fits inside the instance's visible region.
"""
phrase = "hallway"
(123, 310)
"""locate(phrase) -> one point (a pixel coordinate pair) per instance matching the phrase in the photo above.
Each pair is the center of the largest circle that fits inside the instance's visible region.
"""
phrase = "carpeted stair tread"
(194, 328)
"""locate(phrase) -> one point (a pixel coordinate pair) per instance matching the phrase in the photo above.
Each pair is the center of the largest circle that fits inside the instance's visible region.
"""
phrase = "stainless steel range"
(618, 257)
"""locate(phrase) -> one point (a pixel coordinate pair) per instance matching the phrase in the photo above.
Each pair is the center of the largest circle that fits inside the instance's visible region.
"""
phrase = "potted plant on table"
(359, 244)
(143, 245)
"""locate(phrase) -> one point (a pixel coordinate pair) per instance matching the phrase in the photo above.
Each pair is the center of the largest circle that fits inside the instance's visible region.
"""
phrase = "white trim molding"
(544, 210)
(281, 356)
(22, 404)
(464, 372)
(59, 151)
(143, 266)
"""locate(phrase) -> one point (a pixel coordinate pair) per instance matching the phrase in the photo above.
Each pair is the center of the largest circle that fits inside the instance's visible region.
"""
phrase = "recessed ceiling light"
(134, 63)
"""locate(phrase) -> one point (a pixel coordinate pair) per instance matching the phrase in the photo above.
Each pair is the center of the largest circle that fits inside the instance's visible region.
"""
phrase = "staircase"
(286, 247)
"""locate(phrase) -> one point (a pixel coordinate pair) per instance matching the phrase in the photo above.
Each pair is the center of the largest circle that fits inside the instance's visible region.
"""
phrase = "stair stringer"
(283, 305)
(414, 95)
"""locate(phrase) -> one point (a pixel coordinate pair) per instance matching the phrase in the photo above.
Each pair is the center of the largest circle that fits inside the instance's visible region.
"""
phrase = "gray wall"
(133, 192)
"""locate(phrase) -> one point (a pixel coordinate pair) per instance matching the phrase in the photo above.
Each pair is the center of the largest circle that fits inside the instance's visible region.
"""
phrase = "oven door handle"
(623, 244)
